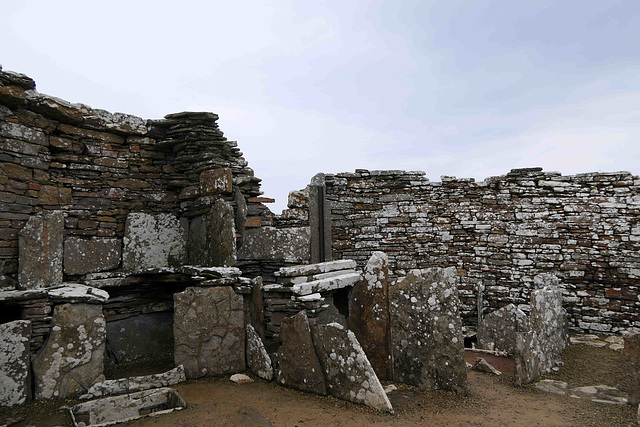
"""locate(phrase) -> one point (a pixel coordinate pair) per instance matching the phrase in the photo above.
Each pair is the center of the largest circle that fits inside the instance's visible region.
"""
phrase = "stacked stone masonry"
(500, 233)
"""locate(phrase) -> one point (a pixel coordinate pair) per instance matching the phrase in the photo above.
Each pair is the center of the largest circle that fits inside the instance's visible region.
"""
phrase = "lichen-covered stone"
(428, 348)
(349, 374)
(216, 181)
(498, 329)
(82, 256)
(14, 362)
(212, 237)
(41, 251)
(72, 358)
(369, 314)
(209, 331)
(258, 360)
(298, 364)
(540, 349)
(154, 241)
(133, 384)
(287, 244)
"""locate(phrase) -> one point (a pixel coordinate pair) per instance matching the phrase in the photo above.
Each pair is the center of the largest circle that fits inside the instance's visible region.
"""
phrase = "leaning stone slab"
(428, 347)
(154, 241)
(298, 364)
(497, 331)
(72, 359)
(322, 267)
(82, 256)
(14, 362)
(41, 251)
(258, 360)
(330, 284)
(133, 384)
(348, 371)
(369, 314)
(118, 409)
(209, 331)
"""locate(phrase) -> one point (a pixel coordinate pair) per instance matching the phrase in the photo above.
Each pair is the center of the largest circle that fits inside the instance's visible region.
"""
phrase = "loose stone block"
(540, 349)
(632, 355)
(14, 362)
(298, 364)
(82, 256)
(154, 241)
(258, 359)
(216, 181)
(72, 358)
(209, 331)
(369, 314)
(497, 331)
(41, 251)
(348, 371)
(133, 384)
(427, 341)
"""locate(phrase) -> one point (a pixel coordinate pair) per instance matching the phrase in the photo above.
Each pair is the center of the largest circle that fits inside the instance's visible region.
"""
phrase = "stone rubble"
(598, 394)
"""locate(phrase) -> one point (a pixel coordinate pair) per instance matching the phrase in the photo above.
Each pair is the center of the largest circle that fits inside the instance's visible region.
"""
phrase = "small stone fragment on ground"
(241, 379)
(484, 366)
(551, 386)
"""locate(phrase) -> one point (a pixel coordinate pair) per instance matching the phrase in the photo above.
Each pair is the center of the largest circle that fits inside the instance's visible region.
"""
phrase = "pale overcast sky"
(463, 88)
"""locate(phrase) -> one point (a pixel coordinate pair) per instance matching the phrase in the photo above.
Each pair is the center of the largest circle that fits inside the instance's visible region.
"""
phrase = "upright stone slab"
(348, 373)
(14, 362)
(72, 359)
(632, 355)
(540, 349)
(298, 364)
(41, 251)
(212, 237)
(82, 256)
(426, 330)
(498, 329)
(209, 331)
(154, 241)
(258, 360)
(369, 314)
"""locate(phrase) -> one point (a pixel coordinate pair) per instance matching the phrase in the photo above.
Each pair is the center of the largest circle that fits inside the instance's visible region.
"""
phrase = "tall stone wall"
(99, 167)
(500, 233)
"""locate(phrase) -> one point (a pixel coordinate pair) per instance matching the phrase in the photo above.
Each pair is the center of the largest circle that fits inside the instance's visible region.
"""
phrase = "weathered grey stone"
(540, 349)
(319, 268)
(216, 181)
(256, 306)
(551, 386)
(632, 356)
(72, 358)
(141, 336)
(349, 374)
(154, 241)
(209, 331)
(328, 284)
(319, 220)
(497, 331)
(82, 256)
(133, 384)
(369, 314)
(298, 364)
(241, 211)
(212, 237)
(14, 362)
(41, 251)
(298, 199)
(286, 244)
(545, 280)
(70, 292)
(241, 379)
(127, 407)
(426, 330)
(258, 360)
(482, 365)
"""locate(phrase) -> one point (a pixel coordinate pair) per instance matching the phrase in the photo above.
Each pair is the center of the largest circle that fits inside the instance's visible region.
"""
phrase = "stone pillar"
(369, 314)
(40, 247)
(319, 221)
(632, 354)
(426, 330)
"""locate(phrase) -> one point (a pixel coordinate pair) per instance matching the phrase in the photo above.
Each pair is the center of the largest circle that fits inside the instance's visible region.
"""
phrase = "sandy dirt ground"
(492, 401)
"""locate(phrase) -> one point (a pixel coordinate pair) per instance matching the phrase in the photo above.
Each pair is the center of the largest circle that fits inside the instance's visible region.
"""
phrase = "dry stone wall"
(500, 233)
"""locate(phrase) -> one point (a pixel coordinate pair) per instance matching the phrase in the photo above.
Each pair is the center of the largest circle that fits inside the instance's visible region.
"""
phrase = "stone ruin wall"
(500, 233)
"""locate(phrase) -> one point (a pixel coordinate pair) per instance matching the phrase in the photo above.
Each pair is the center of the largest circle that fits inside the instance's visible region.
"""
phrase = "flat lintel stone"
(322, 267)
